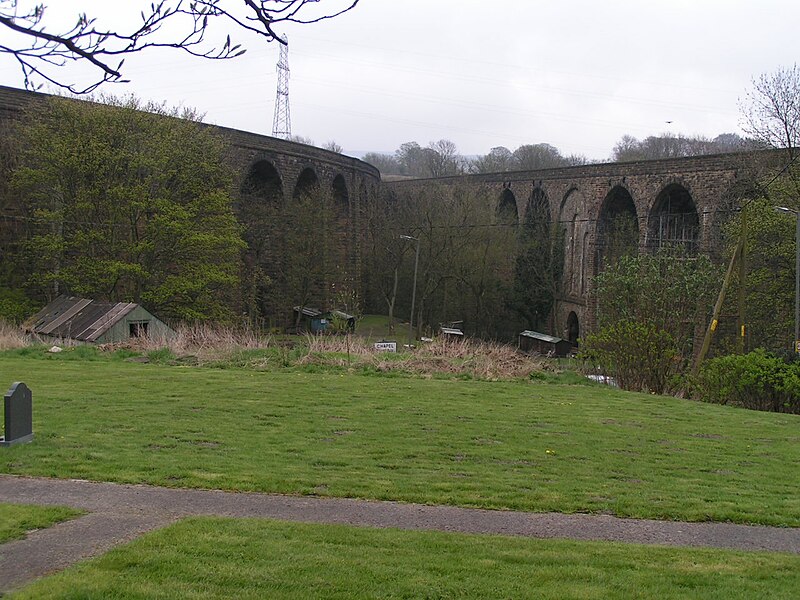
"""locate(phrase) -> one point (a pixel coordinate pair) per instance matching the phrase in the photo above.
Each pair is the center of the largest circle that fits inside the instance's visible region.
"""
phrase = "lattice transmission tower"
(282, 121)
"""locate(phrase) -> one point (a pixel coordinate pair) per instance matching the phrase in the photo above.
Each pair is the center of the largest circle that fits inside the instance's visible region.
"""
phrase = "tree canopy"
(123, 204)
(43, 47)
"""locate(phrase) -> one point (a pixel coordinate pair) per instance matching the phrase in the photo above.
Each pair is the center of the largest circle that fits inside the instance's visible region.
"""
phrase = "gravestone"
(18, 415)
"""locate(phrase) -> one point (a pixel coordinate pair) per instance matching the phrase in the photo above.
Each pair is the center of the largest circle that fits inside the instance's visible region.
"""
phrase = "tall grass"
(202, 340)
(12, 336)
(472, 358)
(206, 344)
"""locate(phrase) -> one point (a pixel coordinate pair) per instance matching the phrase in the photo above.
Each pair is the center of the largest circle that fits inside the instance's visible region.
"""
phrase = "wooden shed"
(541, 343)
(85, 320)
(317, 321)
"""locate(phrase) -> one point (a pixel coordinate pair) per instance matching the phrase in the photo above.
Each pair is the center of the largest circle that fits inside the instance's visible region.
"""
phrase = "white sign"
(386, 346)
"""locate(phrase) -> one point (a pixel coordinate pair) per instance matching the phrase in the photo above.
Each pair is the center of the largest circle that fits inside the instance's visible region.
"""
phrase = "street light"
(414, 292)
(789, 211)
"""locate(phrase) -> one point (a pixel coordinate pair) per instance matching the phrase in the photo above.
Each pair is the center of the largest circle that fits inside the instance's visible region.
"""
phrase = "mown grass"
(506, 445)
(16, 520)
(246, 558)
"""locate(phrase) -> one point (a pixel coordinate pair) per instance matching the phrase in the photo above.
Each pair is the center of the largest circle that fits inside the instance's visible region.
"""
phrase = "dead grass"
(221, 346)
(204, 341)
(472, 358)
(12, 336)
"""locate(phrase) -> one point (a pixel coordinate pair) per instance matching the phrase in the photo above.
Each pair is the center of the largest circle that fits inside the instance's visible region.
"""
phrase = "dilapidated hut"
(85, 320)
(541, 343)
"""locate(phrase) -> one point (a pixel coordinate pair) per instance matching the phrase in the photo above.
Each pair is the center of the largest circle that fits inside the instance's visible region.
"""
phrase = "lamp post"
(789, 211)
(414, 292)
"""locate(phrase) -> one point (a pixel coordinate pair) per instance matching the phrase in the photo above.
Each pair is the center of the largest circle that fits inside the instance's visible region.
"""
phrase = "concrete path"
(119, 513)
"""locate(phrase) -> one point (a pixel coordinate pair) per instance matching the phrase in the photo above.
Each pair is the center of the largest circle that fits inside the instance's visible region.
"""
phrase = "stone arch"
(307, 183)
(537, 210)
(263, 182)
(260, 210)
(673, 223)
(507, 211)
(573, 328)
(341, 243)
(341, 197)
(617, 227)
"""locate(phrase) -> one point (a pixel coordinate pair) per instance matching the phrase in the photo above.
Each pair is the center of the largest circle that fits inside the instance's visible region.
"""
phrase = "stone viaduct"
(677, 201)
(681, 201)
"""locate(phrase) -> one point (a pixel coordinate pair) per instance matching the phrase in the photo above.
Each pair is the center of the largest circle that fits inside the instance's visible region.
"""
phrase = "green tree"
(649, 308)
(125, 201)
(538, 265)
(770, 278)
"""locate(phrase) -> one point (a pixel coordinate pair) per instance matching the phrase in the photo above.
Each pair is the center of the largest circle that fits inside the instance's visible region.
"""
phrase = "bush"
(15, 306)
(758, 381)
(639, 356)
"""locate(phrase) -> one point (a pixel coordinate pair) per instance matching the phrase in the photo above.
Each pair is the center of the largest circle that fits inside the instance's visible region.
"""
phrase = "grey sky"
(578, 74)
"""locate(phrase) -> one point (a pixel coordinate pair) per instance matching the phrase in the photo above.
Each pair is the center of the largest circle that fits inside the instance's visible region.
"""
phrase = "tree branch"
(191, 20)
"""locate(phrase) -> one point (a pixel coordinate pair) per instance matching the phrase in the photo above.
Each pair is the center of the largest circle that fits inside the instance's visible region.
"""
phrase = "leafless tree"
(41, 49)
(771, 109)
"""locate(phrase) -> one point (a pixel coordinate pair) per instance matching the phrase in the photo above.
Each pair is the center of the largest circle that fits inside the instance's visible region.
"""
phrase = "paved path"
(119, 513)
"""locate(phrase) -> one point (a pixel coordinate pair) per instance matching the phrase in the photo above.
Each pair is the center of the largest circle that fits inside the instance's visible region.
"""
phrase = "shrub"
(758, 381)
(639, 356)
(15, 306)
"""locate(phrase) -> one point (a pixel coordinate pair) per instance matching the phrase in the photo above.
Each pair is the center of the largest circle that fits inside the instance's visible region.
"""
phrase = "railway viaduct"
(676, 201)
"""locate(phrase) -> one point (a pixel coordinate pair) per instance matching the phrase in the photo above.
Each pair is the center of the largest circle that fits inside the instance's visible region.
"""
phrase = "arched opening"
(307, 184)
(340, 242)
(538, 263)
(507, 213)
(537, 211)
(673, 224)
(617, 229)
(263, 182)
(341, 198)
(260, 211)
(573, 328)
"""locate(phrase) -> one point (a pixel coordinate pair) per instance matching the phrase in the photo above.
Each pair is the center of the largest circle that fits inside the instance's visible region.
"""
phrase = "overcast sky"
(577, 74)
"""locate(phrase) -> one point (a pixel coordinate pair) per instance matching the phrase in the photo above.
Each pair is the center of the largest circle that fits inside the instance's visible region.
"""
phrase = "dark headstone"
(18, 415)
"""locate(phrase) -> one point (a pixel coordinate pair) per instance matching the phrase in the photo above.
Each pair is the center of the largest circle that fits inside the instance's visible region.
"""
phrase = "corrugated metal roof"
(78, 318)
(450, 331)
(308, 311)
(541, 336)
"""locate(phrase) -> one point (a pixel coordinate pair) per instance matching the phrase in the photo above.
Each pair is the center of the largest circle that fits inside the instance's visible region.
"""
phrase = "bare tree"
(180, 24)
(771, 109)
(333, 147)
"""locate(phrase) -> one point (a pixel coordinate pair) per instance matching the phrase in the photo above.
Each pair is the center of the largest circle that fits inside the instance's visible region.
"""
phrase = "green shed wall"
(120, 332)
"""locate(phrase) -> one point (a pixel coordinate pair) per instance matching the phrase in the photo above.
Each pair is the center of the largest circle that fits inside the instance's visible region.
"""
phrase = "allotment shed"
(85, 320)
(541, 343)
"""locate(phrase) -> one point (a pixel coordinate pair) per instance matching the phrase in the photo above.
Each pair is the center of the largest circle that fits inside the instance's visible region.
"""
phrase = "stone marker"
(18, 415)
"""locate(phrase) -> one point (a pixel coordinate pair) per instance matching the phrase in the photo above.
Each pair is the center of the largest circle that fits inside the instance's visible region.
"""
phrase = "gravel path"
(119, 513)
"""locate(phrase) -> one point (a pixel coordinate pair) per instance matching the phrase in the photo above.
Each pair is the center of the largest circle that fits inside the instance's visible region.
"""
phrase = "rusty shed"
(541, 343)
(85, 320)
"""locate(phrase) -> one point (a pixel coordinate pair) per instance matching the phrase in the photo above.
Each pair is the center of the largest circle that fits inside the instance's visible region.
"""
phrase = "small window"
(138, 329)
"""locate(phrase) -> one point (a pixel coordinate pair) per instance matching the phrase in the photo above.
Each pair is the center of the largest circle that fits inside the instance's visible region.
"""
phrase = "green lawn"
(515, 445)
(18, 519)
(376, 327)
(247, 558)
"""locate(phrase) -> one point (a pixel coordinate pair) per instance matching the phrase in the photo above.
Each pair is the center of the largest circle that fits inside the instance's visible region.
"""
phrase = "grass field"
(18, 519)
(244, 558)
(512, 445)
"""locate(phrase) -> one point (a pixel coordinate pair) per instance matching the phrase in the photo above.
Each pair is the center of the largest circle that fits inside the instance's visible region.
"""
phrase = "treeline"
(442, 159)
